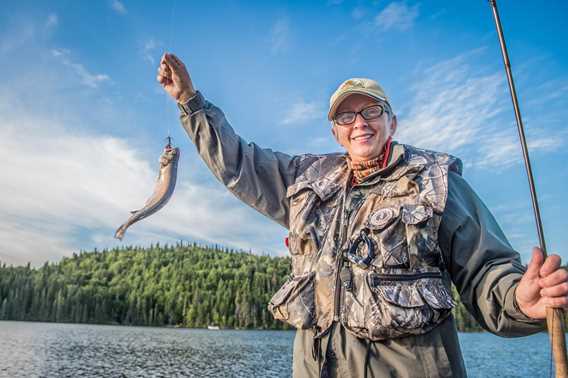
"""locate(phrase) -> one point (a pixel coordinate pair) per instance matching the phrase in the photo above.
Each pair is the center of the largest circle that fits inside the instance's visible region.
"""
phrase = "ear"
(393, 125)
(334, 132)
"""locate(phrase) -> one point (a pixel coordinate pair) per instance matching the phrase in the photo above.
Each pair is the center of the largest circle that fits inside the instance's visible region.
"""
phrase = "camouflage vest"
(368, 255)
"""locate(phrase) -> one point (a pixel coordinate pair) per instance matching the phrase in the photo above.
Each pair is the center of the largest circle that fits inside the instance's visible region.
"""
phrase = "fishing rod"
(554, 316)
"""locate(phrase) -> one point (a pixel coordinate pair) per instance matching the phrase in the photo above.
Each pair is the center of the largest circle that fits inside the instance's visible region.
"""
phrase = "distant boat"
(213, 327)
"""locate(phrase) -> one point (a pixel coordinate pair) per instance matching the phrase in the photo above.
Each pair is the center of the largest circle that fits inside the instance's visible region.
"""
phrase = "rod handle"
(555, 323)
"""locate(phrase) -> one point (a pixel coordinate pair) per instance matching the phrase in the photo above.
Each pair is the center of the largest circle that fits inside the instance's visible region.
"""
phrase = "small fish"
(163, 190)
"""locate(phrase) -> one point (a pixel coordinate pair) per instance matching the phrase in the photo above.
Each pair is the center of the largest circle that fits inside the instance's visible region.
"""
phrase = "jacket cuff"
(514, 311)
(193, 105)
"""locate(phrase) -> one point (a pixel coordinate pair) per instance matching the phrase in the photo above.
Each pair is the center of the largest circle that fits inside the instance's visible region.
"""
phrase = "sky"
(83, 120)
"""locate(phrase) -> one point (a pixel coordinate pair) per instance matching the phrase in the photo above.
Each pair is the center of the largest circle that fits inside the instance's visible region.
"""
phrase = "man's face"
(363, 139)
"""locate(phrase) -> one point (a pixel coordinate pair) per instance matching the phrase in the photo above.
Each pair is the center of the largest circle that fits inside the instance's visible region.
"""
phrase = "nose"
(360, 121)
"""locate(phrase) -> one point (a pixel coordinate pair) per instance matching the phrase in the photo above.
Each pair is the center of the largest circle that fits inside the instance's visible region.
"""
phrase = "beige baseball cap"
(362, 86)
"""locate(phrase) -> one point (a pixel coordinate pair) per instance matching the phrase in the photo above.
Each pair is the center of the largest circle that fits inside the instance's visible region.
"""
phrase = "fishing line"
(168, 44)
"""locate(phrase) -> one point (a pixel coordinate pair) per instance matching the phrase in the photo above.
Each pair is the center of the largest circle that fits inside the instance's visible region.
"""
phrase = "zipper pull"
(346, 278)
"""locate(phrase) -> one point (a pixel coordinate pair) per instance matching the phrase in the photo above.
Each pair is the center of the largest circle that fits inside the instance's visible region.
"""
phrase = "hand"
(545, 284)
(174, 78)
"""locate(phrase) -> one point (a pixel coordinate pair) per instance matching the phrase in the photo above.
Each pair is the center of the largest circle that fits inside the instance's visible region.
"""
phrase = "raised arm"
(257, 176)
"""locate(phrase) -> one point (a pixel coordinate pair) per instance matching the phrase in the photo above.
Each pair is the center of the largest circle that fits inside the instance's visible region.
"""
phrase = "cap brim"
(346, 94)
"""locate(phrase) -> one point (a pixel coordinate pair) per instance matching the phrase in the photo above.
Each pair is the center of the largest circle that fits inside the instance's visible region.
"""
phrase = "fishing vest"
(367, 255)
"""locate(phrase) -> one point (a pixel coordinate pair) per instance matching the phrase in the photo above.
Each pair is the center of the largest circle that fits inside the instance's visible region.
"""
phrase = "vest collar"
(397, 155)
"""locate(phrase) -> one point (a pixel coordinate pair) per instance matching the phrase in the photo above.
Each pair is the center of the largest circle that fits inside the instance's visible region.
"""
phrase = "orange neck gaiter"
(362, 170)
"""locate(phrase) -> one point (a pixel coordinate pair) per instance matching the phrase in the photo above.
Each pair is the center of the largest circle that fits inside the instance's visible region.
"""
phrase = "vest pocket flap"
(294, 301)
(297, 188)
(436, 294)
(322, 188)
(412, 290)
(401, 294)
(303, 245)
(416, 214)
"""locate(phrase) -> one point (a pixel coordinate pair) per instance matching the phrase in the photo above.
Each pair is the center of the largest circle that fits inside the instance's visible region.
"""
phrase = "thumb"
(535, 264)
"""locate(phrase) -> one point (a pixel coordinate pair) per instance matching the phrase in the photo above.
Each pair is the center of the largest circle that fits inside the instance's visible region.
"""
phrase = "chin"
(358, 157)
(364, 155)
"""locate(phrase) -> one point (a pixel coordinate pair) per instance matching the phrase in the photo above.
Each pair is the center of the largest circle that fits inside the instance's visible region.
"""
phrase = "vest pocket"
(389, 234)
(309, 219)
(393, 228)
(294, 302)
(403, 304)
(303, 245)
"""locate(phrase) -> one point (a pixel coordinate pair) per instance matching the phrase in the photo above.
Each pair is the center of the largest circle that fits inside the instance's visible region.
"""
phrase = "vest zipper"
(338, 290)
(404, 277)
(339, 265)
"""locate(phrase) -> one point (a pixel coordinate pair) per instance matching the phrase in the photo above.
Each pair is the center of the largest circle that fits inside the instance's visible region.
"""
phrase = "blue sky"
(83, 121)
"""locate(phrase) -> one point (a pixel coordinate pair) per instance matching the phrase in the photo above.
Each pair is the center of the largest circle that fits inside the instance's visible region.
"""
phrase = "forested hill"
(183, 285)
(186, 286)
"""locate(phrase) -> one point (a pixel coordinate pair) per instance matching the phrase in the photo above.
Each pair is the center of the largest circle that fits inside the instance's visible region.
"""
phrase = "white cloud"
(67, 187)
(118, 7)
(548, 91)
(509, 148)
(464, 111)
(52, 21)
(25, 242)
(63, 192)
(149, 50)
(86, 78)
(302, 111)
(280, 36)
(397, 16)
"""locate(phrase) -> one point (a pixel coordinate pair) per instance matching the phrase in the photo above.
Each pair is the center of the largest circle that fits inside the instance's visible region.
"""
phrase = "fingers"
(173, 65)
(173, 60)
(551, 264)
(164, 75)
(554, 278)
(556, 302)
(534, 267)
(174, 77)
(555, 291)
(554, 282)
(163, 79)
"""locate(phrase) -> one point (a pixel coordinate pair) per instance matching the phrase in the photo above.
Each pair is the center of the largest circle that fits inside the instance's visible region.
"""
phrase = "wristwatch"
(193, 105)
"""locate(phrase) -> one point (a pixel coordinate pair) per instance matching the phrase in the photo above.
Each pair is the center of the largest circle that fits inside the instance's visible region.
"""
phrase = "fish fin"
(119, 234)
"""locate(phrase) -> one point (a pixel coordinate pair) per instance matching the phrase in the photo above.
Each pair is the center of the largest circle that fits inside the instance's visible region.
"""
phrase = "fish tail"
(119, 234)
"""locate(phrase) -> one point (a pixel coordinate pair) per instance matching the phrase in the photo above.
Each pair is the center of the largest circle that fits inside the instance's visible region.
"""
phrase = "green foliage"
(464, 321)
(184, 285)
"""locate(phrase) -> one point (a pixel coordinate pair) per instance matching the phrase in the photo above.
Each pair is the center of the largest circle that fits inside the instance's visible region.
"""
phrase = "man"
(377, 235)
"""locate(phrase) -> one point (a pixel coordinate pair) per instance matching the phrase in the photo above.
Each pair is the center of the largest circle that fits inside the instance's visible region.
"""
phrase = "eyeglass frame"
(384, 106)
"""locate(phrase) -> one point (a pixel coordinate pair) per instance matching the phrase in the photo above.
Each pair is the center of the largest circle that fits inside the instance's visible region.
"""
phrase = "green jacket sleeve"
(483, 265)
(257, 176)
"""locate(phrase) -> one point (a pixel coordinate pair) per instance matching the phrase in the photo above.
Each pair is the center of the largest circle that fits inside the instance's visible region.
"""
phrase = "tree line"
(185, 285)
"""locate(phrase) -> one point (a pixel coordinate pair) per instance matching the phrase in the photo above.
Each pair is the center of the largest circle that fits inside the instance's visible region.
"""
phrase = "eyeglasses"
(368, 114)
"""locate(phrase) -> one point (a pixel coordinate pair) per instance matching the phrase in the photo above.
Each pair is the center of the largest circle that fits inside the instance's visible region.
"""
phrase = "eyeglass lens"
(370, 113)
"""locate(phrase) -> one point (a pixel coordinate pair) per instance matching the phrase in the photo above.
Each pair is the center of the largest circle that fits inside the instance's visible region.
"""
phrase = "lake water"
(76, 350)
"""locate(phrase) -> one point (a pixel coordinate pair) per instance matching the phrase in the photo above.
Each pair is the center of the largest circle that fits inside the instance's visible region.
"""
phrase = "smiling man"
(377, 236)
